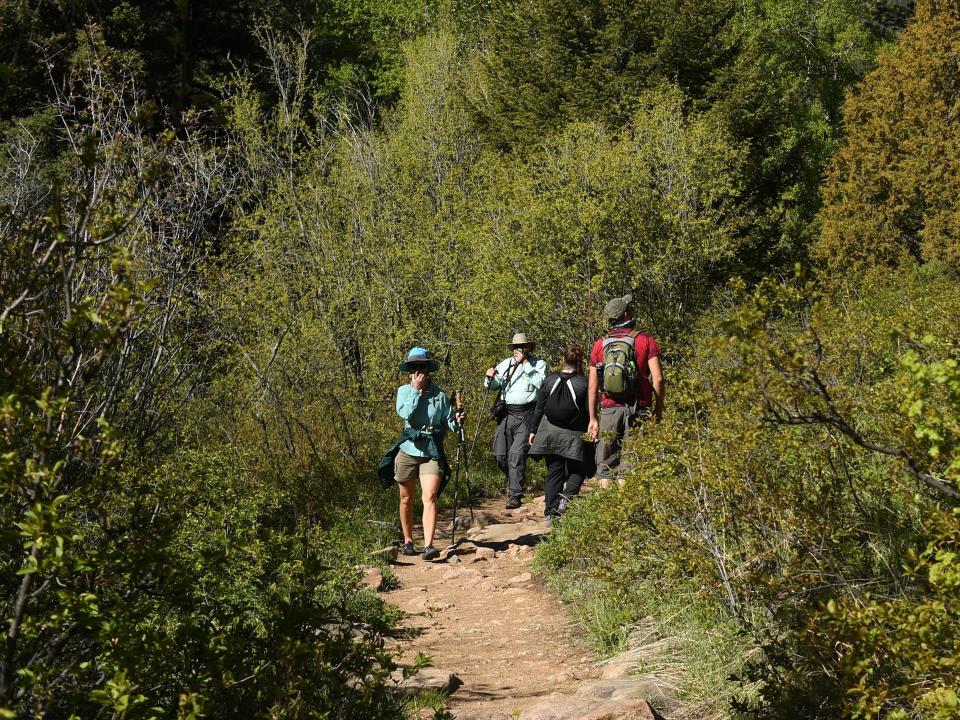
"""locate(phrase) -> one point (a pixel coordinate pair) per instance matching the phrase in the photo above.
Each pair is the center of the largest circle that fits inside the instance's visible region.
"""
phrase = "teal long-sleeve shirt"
(524, 382)
(432, 410)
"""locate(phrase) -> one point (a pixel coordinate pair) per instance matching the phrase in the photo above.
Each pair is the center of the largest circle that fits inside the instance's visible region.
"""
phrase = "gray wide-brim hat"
(615, 308)
(419, 355)
(520, 340)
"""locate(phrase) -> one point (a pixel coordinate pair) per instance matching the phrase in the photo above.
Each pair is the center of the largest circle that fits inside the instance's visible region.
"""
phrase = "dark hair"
(573, 356)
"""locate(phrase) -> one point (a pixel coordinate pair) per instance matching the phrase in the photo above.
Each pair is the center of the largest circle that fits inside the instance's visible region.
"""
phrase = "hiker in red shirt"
(627, 378)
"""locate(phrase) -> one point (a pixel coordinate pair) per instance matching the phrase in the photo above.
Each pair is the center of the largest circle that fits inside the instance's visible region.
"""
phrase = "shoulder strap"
(559, 380)
(573, 394)
(506, 381)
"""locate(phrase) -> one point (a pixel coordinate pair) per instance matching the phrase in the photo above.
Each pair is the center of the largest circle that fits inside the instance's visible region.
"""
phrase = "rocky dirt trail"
(501, 643)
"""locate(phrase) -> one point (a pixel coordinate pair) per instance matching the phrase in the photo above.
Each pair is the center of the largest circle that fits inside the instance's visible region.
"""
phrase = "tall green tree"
(891, 193)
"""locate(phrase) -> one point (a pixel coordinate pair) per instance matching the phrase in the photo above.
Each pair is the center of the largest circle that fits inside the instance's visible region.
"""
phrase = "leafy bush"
(811, 458)
(137, 581)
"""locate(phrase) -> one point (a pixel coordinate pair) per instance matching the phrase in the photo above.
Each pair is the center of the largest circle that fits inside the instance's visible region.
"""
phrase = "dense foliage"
(891, 192)
(222, 228)
(143, 577)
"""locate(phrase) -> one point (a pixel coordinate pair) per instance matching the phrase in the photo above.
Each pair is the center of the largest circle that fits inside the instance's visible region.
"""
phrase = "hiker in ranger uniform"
(518, 378)
(625, 376)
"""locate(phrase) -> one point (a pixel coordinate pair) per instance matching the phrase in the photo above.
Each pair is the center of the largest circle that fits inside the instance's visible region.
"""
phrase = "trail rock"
(518, 551)
(626, 688)
(463, 546)
(388, 553)
(471, 584)
(453, 573)
(462, 523)
(520, 579)
(428, 679)
(567, 708)
(523, 533)
(479, 715)
(623, 665)
(480, 520)
(486, 553)
(372, 578)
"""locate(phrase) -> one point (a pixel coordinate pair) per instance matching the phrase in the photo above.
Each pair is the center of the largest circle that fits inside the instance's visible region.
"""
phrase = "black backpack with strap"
(561, 406)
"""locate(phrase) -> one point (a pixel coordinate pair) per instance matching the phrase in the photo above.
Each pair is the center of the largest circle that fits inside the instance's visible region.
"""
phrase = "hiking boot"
(513, 503)
(408, 549)
(430, 553)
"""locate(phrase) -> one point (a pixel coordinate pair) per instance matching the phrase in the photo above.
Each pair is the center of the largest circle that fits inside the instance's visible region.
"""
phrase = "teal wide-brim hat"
(419, 355)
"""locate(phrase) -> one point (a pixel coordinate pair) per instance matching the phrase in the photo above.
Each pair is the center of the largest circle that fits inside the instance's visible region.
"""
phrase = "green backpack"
(620, 373)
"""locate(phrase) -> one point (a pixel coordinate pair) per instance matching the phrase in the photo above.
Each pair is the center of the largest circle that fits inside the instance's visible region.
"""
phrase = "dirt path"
(482, 616)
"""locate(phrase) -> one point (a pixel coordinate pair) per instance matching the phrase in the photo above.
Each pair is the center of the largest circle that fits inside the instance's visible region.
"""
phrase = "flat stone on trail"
(626, 688)
(485, 552)
(567, 708)
(428, 679)
(459, 714)
(520, 579)
(526, 533)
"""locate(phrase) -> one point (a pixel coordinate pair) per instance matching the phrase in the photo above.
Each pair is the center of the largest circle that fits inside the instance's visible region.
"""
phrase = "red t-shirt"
(645, 348)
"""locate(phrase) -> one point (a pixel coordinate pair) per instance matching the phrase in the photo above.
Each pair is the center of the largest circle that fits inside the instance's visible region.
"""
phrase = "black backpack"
(561, 406)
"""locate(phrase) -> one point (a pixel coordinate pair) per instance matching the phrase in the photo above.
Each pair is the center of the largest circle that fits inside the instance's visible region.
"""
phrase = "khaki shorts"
(407, 467)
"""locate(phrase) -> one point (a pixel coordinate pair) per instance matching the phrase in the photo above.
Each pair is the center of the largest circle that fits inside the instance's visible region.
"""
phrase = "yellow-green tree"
(892, 189)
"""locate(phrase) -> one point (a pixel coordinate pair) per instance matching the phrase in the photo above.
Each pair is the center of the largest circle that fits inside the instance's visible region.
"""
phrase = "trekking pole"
(462, 442)
(458, 408)
(466, 479)
(483, 407)
(454, 479)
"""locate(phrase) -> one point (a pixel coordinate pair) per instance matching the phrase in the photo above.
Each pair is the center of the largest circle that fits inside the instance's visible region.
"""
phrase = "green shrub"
(810, 456)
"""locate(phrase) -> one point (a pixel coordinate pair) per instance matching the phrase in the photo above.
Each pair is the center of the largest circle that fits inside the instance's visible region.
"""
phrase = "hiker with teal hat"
(427, 413)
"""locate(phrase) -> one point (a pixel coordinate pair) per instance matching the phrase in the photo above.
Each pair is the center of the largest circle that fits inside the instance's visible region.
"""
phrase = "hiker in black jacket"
(559, 423)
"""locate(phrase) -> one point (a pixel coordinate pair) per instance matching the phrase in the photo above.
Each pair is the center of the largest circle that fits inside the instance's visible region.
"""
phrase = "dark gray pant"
(616, 425)
(510, 448)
